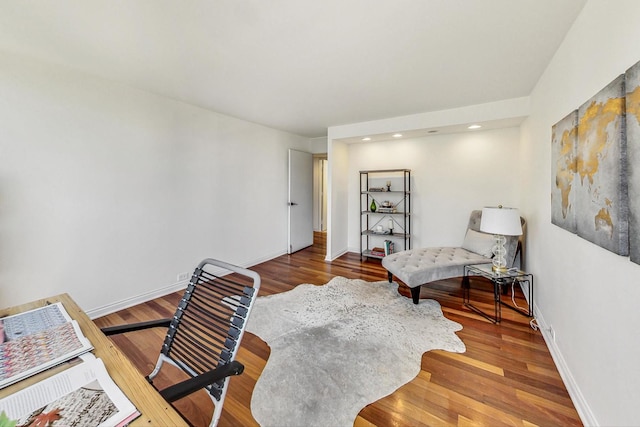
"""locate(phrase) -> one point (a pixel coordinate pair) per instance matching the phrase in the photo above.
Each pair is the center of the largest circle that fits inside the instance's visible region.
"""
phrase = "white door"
(300, 200)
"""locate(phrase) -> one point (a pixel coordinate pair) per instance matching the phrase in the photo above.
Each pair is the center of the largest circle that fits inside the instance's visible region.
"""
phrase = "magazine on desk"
(36, 340)
(83, 395)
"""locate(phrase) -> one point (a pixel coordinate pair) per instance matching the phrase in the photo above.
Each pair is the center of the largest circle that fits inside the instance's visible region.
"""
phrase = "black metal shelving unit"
(393, 203)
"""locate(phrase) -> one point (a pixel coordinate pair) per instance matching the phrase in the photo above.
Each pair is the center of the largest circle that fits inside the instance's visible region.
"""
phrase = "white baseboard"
(262, 259)
(138, 299)
(336, 255)
(157, 293)
(584, 411)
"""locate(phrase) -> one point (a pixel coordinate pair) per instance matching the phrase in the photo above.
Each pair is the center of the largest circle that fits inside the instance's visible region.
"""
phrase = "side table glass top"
(487, 271)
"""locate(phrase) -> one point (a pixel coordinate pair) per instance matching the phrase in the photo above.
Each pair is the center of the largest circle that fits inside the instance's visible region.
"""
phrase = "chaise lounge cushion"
(480, 243)
(416, 267)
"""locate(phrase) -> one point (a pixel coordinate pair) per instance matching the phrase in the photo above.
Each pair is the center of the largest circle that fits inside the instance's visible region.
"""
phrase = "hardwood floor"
(506, 376)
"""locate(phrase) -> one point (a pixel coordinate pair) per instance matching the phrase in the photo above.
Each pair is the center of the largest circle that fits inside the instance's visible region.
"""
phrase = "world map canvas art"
(601, 190)
(564, 138)
(589, 186)
(633, 158)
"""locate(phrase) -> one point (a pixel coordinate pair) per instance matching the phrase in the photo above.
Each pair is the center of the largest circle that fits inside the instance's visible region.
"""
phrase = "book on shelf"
(36, 340)
(388, 247)
(83, 395)
(377, 251)
(383, 209)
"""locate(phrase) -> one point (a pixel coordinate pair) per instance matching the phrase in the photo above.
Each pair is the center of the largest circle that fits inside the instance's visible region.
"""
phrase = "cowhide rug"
(338, 347)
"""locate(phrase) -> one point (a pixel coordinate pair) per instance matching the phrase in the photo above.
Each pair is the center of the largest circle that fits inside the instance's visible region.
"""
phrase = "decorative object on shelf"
(390, 226)
(500, 222)
(376, 189)
(373, 206)
(388, 185)
(387, 207)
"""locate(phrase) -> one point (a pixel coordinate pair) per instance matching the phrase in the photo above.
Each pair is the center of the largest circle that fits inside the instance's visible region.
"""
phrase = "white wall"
(318, 145)
(588, 295)
(337, 197)
(108, 193)
(450, 176)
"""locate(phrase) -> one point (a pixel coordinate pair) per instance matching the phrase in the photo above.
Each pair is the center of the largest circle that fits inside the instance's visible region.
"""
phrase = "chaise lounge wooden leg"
(415, 294)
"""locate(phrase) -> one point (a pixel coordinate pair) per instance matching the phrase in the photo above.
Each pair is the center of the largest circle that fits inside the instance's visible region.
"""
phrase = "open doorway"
(320, 171)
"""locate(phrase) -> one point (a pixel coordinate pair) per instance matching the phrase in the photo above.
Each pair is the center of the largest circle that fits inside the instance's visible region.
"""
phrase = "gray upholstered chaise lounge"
(417, 267)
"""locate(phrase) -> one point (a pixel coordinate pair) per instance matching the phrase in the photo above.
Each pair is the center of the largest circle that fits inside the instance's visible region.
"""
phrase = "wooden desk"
(154, 409)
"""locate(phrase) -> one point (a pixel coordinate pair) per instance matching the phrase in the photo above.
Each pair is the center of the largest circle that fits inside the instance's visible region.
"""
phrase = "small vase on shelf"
(373, 206)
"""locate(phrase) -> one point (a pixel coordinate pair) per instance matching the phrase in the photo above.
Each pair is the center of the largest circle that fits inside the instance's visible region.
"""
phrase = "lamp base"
(499, 251)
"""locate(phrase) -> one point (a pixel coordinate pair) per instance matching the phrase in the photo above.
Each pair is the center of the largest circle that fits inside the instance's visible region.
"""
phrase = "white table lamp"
(500, 222)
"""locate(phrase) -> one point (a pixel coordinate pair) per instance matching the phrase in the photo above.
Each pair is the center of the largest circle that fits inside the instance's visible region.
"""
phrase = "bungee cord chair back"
(204, 334)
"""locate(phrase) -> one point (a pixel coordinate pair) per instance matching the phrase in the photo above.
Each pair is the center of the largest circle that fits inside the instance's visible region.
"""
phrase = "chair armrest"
(120, 329)
(186, 387)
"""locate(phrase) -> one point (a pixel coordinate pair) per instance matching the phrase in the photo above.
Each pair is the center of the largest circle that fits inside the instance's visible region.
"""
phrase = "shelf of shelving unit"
(399, 197)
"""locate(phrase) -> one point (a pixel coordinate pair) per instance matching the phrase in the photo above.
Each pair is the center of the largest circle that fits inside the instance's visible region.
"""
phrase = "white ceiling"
(300, 65)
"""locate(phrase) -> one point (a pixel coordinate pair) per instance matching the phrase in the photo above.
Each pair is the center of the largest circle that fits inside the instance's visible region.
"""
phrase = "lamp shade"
(499, 220)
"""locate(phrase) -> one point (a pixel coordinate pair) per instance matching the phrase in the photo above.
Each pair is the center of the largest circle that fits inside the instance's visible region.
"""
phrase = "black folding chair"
(204, 334)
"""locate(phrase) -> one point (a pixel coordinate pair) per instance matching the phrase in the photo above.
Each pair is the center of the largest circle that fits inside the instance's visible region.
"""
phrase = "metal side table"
(499, 280)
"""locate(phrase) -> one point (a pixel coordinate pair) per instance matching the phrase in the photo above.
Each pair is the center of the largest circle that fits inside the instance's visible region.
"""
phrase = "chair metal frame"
(204, 335)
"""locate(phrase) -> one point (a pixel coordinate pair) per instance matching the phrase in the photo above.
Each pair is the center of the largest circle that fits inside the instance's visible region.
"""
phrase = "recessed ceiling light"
(397, 135)
(474, 127)
(366, 139)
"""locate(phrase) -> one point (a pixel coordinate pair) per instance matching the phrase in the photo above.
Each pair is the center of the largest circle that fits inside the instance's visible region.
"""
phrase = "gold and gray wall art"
(595, 150)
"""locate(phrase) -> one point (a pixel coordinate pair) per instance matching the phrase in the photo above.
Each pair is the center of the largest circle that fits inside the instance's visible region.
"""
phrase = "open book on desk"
(83, 395)
(35, 340)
